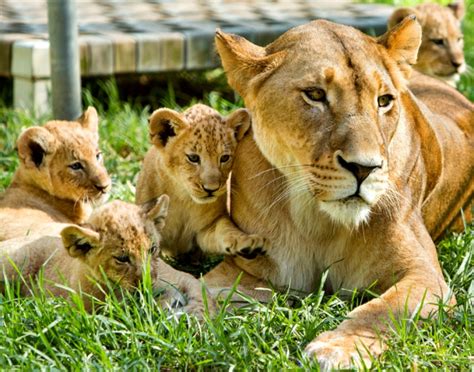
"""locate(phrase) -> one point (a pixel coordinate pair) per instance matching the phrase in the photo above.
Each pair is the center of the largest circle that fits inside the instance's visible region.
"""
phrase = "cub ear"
(165, 123)
(239, 121)
(33, 145)
(402, 43)
(90, 119)
(157, 210)
(399, 14)
(79, 241)
(246, 65)
(458, 9)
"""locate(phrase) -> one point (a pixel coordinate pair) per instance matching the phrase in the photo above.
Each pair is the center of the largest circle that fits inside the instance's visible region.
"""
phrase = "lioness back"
(60, 174)
(441, 52)
(190, 161)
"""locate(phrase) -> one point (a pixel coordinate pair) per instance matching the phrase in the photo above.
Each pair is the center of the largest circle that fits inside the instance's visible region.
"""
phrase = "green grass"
(49, 333)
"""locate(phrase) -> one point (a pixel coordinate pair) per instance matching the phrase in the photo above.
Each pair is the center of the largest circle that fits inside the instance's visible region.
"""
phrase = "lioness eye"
(437, 41)
(76, 166)
(123, 259)
(385, 100)
(460, 39)
(99, 156)
(153, 248)
(193, 158)
(225, 158)
(315, 94)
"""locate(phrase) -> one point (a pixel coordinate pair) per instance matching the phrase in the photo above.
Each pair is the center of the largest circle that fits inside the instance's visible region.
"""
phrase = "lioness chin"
(348, 171)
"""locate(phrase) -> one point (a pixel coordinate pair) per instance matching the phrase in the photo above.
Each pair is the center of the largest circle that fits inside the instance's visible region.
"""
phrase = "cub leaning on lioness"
(117, 241)
(190, 161)
(441, 51)
(60, 175)
(349, 171)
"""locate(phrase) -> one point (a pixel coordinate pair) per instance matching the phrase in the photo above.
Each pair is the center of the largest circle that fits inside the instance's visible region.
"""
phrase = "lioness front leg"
(360, 338)
(178, 284)
(224, 237)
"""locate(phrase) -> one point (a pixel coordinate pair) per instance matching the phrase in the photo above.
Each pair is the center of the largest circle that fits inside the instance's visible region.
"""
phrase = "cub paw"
(246, 246)
(340, 350)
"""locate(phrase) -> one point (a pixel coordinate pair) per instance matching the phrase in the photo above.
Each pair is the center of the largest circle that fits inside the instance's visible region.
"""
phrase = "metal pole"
(64, 52)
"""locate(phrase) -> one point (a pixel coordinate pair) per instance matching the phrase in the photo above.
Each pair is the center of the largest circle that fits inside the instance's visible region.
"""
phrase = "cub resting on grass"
(117, 241)
(347, 171)
(60, 175)
(441, 51)
(190, 161)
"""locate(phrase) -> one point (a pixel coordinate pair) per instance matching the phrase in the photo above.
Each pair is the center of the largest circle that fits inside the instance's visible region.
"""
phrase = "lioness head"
(441, 52)
(118, 240)
(63, 158)
(197, 146)
(323, 113)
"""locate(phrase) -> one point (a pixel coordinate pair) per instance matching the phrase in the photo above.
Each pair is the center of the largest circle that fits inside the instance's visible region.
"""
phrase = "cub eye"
(225, 158)
(76, 166)
(193, 158)
(460, 39)
(123, 259)
(99, 156)
(385, 100)
(314, 95)
(437, 41)
(153, 248)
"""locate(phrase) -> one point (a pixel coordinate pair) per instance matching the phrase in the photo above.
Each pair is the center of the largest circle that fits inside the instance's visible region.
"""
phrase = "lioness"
(347, 171)
(190, 161)
(117, 241)
(60, 175)
(441, 52)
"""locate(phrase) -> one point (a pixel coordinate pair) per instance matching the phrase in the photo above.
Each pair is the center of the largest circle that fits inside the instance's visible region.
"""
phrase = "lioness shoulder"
(441, 51)
(191, 158)
(60, 174)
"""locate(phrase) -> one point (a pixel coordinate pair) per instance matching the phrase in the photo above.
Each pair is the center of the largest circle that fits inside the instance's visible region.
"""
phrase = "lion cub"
(190, 161)
(117, 241)
(60, 175)
(441, 52)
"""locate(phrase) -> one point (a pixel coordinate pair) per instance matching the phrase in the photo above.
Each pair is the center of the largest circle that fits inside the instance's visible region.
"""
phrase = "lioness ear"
(163, 124)
(399, 14)
(245, 64)
(79, 240)
(33, 145)
(458, 9)
(239, 121)
(90, 119)
(157, 210)
(402, 43)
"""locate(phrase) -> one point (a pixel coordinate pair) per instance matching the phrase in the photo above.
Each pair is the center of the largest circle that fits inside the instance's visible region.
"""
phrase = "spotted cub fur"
(190, 161)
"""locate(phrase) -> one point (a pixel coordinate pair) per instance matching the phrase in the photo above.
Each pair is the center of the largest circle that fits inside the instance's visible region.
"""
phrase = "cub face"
(198, 147)
(63, 158)
(441, 52)
(118, 240)
(326, 118)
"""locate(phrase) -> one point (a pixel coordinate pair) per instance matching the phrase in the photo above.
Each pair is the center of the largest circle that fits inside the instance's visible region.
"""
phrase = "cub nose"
(360, 171)
(456, 64)
(210, 189)
(101, 187)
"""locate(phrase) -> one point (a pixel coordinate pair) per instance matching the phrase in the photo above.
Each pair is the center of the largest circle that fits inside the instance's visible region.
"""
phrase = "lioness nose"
(101, 187)
(210, 189)
(360, 171)
(456, 64)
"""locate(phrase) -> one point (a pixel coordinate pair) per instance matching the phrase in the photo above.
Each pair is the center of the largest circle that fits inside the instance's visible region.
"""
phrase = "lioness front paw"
(342, 350)
(246, 246)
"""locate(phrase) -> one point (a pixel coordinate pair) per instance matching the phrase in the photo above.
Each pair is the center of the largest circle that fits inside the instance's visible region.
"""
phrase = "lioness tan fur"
(60, 175)
(190, 161)
(441, 52)
(347, 170)
(117, 242)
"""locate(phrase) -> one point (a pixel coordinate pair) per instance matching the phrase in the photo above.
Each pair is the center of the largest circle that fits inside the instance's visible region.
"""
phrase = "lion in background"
(441, 51)
(117, 243)
(347, 171)
(61, 174)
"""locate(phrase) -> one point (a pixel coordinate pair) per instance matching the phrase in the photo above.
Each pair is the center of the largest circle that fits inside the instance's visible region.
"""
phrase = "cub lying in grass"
(116, 242)
(190, 161)
(60, 175)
